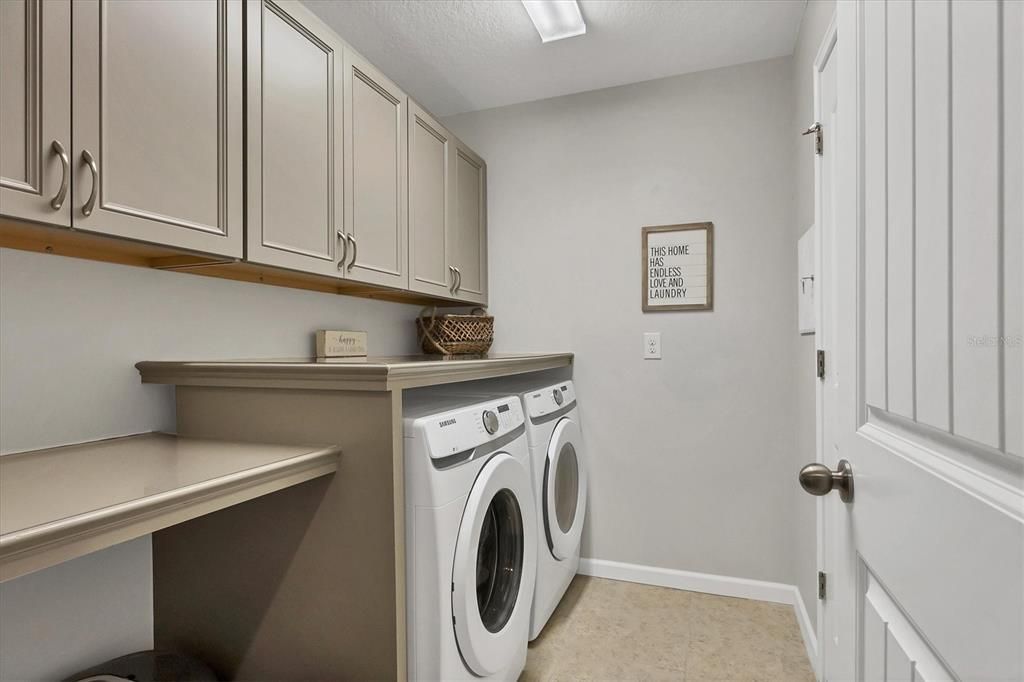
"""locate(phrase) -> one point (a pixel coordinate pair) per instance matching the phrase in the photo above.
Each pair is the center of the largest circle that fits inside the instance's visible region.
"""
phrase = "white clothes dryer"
(471, 545)
(559, 472)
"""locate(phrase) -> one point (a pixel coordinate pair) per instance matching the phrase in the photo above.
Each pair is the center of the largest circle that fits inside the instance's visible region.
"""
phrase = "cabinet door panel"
(294, 72)
(429, 198)
(375, 194)
(157, 102)
(35, 108)
(469, 250)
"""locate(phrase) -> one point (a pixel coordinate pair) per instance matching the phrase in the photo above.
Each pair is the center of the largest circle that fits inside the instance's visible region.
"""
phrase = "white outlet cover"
(652, 345)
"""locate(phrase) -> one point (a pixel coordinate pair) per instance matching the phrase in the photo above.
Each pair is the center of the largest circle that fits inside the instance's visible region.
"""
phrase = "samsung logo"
(446, 422)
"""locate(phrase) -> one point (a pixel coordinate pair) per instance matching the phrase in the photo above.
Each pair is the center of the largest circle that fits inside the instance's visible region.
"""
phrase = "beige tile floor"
(611, 630)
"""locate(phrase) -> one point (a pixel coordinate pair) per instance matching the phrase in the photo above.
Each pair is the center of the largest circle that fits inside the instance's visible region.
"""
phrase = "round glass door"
(499, 560)
(495, 567)
(565, 490)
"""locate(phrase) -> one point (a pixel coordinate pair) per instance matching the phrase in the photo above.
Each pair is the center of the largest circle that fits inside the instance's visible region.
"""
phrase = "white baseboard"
(727, 586)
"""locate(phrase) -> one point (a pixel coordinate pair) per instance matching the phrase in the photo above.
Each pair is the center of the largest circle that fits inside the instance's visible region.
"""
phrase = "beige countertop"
(60, 503)
(366, 374)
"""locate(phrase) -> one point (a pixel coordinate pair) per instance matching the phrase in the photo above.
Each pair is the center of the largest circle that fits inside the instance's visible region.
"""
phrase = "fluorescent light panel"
(555, 19)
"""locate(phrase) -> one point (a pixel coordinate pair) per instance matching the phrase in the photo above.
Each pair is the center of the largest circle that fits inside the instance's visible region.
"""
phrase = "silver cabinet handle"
(65, 172)
(451, 271)
(87, 157)
(344, 249)
(818, 479)
(458, 280)
(355, 251)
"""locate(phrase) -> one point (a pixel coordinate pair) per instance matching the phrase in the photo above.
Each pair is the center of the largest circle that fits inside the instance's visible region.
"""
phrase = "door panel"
(976, 182)
(35, 109)
(469, 247)
(899, 206)
(157, 102)
(928, 559)
(430, 220)
(932, 248)
(376, 191)
(295, 162)
(893, 648)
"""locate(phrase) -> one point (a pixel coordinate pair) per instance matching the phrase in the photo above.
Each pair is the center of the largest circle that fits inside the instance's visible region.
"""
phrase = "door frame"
(826, 51)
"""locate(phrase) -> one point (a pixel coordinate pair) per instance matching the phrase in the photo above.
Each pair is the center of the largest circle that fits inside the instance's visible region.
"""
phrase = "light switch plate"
(652, 345)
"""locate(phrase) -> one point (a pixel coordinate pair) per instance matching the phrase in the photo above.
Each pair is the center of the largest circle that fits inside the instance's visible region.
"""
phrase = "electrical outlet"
(652, 345)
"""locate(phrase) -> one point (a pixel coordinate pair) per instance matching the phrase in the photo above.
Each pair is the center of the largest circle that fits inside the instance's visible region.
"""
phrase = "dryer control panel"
(549, 399)
(455, 431)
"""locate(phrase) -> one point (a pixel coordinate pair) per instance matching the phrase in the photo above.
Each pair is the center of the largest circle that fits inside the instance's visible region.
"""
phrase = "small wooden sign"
(340, 344)
(677, 267)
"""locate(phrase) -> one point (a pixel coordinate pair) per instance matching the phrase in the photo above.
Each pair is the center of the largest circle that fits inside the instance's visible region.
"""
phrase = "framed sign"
(677, 267)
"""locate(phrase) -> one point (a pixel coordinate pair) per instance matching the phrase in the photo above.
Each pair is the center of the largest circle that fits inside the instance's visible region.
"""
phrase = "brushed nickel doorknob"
(818, 479)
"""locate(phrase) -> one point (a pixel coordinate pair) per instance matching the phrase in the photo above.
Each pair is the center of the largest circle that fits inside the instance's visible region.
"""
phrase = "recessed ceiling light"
(555, 19)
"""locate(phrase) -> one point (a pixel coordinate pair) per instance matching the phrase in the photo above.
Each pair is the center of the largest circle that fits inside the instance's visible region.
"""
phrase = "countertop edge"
(372, 376)
(26, 550)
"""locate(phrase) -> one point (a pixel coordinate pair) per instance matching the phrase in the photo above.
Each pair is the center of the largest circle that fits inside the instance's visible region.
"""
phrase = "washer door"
(495, 567)
(564, 497)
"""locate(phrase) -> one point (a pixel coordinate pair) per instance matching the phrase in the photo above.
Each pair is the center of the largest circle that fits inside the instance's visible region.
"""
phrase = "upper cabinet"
(375, 171)
(126, 118)
(35, 111)
(469, 234)
(295, 142)
(447, 213)
(157, 121)
(430, 195)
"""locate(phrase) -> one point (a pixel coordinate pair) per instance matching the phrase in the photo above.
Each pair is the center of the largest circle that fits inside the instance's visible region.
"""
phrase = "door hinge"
(821, 364)
(822, 584)
(819, 143)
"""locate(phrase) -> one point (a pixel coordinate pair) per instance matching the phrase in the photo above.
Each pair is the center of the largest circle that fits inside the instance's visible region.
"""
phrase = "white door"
(564, 492)
(495, 567)
(926, 563)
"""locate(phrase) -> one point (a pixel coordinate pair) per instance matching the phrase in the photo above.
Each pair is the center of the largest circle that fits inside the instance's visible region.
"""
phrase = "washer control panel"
(490, 420)
(463, 429)
(550, 399)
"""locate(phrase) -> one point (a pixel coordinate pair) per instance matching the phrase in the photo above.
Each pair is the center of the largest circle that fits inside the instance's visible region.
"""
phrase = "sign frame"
(645, 267)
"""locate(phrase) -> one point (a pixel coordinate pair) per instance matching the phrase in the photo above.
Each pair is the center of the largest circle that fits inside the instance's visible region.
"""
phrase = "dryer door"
(495, 567)
(564, 497)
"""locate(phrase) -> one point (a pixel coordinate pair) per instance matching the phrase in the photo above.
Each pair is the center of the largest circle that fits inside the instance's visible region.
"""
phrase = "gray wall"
(70, 333)
(691, 456)
(816, 19)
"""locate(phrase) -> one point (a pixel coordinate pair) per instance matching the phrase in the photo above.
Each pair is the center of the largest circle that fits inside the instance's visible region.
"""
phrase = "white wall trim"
(708, 583)
(807, 630)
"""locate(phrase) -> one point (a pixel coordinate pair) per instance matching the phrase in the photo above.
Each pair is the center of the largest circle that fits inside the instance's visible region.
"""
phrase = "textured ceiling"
(463, 55)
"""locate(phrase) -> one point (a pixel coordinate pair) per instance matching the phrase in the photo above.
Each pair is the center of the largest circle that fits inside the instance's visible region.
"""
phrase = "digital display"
(502, 408)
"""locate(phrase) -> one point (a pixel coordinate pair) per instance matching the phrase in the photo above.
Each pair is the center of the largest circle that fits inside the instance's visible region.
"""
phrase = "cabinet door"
(35, 110)
(157, 121)
(375, 175)
(294, 87)
(469, 242)
(430, 223)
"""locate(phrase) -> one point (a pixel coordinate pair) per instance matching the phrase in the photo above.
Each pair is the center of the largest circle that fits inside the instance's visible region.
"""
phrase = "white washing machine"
(471, 538)
(559, 473)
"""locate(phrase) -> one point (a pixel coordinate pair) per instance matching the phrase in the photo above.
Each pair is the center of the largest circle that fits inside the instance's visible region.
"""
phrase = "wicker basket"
(455, 334)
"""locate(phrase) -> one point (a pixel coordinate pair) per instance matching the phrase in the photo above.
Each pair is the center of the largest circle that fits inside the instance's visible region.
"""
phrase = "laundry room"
(511, 340)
